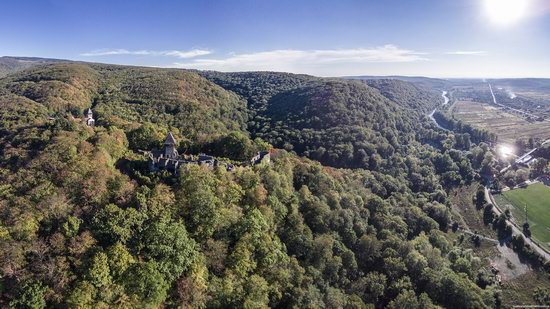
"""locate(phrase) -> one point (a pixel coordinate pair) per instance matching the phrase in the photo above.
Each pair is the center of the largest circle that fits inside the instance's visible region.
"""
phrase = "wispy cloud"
(170, 53)
(468, 53)
(292, 60)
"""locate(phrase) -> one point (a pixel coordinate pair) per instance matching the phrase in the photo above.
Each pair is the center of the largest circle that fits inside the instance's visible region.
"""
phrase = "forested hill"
(85, 223)
(130, 96)
(14, 64)
(258, 87)
(426, 82)
(407, 94)
(338, 122)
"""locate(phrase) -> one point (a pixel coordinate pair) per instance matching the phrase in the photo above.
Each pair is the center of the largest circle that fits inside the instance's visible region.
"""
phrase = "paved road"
(516, 230)
(508, 107)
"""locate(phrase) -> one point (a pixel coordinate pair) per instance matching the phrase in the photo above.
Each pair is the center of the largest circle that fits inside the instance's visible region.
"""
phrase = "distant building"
(90, 121)
(526, 160)
(261, 157)
(206, 159)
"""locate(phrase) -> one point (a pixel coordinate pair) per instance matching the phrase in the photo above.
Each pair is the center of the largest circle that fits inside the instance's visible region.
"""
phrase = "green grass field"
(537, 199)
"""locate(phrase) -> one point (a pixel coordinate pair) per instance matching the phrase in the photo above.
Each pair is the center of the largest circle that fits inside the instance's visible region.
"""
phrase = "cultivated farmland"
(508, 127)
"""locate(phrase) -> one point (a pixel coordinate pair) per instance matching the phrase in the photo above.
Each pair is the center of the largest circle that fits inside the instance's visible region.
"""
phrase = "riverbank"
(431, 115)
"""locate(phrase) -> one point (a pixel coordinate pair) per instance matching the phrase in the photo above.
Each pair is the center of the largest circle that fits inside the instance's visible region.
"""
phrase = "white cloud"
(171, 53)
(291, 60)
(187, 54)
(468, 53)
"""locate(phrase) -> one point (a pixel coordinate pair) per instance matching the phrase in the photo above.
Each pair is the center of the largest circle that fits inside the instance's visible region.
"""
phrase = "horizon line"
(389, 76)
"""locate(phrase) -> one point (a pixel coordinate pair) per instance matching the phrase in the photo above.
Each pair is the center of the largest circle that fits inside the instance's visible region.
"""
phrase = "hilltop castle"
(169, 159)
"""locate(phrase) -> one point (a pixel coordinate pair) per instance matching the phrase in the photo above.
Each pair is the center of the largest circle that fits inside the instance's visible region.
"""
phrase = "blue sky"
(439, 38)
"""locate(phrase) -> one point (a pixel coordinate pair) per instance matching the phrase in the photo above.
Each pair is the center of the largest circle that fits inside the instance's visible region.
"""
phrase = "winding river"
(431, 115)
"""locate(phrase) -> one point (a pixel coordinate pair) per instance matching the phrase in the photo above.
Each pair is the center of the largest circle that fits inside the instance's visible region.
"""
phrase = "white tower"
(90, 121)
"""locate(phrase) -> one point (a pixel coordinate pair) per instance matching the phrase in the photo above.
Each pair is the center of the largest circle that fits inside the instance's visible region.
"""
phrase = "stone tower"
(170, 145)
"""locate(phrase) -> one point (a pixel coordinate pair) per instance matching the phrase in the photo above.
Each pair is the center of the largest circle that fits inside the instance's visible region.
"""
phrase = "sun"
(505, 12)
(506, 151)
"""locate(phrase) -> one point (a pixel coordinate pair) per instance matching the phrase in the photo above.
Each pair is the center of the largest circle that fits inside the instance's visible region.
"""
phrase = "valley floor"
(519, 279)
(507, 126)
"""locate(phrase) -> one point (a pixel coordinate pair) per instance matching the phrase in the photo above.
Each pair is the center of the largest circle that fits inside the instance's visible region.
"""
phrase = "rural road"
(516, 230)
(508, 107)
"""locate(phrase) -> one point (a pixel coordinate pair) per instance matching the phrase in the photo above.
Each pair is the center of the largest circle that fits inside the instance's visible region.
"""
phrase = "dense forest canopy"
(83, 222)
(407, 94)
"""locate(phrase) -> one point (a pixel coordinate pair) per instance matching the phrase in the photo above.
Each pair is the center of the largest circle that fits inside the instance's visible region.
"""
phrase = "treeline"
(526, 252)
(543, 151)
(476, 135)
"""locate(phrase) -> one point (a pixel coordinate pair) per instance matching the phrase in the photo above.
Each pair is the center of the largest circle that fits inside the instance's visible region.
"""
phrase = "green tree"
(146, 282)
(83, 295)
(199, 203)
(98, 272)
(114, 224)
(235, 146)
(31, 296)
(146, 137)
(119, 259)
(71, 226)
(169, 245)
(405, 300)
(257, 295)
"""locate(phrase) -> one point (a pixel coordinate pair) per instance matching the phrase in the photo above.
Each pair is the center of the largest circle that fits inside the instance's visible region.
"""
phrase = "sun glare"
(505, 12)
(506, 151)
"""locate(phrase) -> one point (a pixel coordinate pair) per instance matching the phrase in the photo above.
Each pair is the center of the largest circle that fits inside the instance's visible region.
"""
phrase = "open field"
(519, 291)
(507, 126)
(537, 199)
(544, 97)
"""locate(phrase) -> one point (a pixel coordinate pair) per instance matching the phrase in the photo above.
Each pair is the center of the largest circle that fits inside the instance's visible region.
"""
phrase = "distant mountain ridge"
(429, 82)
(524, 83)
(9, 64)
